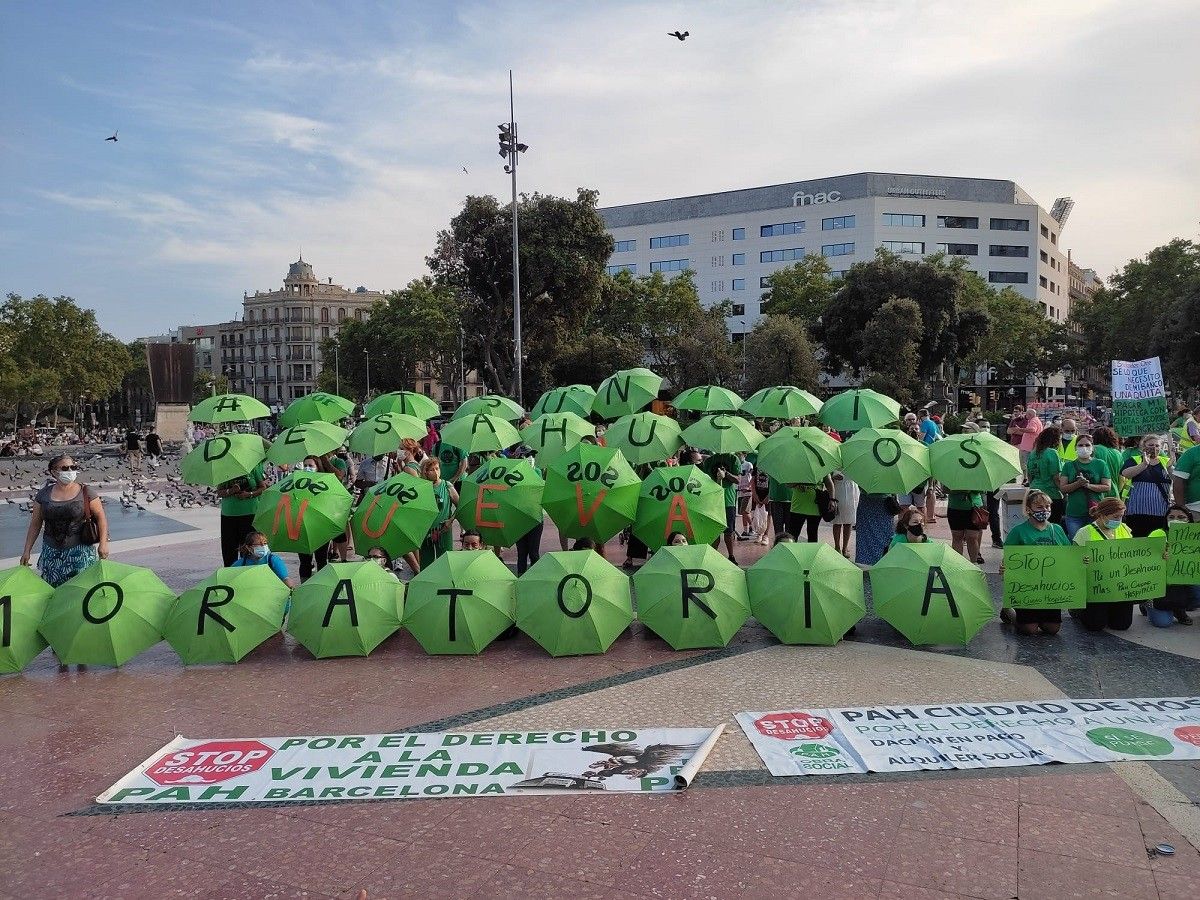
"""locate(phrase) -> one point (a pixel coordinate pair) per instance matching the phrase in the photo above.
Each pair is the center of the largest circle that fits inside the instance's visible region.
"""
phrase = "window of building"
(739, 309)
(718, 261)
(904, 246)
(669, 265)
(1053, 238)
(341, 314)
(739, 234)
(739, 284)
(737, 336)
(739, 259)
(959, 249)
(837, 249)
(1008, 250)
(631, 268)
(718, 237)
(764, 281)
(669, 240)
(1042, 281)
(1008, 277)
(324, 333)
(624, 246)
(358, 314)
(324, 313)
(1044, 257)
(957, 221)
(780, 229)
(1010, 224)
(837, 273)
(781, 255)
(1045, 231)
(835, 222)
(718, 287)
(906, 220)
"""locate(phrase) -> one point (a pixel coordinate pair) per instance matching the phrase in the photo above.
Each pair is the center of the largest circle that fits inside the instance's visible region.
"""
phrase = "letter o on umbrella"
(574, 602)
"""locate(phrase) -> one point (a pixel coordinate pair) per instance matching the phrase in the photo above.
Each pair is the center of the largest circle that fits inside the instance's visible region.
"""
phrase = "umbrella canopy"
(383, 433)
(107, 614)
(223, 458)
(806, 593)
(799, 455)
(625, 392)
(692, 597)
(645, 437)
(553, 434)
(591, 492)
(316, 407)
(859, 408)
(502, 500)
(222, 408)
(395, 514)
(226, 615)
(303, 512)
(480, 433)
(23, 600)
(974, 462)
(781, 402)
(573, 602)
(679, 500)
(931, 594)
(708, 398)
(408, 403)
(723, 433)
(490, 405)
(885, 461)
(576, 398)
(346, 609)
(461, 603)
(313, 439)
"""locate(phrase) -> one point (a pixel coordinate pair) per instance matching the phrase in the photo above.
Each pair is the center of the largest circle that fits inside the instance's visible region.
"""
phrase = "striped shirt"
(1150, 490)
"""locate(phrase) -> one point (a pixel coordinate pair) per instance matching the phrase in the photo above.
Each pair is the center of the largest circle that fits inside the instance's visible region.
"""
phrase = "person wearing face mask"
(1106, 525)
(61, 510)
(910, 527)
(1084, 480)
(320, 556)
(1173, 606)
(1149, 475)
(1070, 431)
(1037, 530)
(1043, 466)
(255, 551)
(1107, 446)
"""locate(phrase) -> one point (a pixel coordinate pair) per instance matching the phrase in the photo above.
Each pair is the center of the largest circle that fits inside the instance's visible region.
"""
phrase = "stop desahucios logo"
(210, 762)
(789, 726)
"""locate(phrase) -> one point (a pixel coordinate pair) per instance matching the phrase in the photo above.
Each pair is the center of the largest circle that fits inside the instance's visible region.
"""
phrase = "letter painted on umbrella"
(6, 621)
(343, 595)
(678, 512)
(886, 441)
(621, 387)
(807, 599)
(942, 587)
(562, 594)
(556, 397)
(968, 447)
(691, 592)
(366, 519)
(228, 403)
(295, 435)
(211, 451)
(92, 592)
(720, 420)
(481, 419)
(454, 593)
(549, 427)
(586, 516)
(208, 606)
(284, 508)
(633, 438)
(480, 506)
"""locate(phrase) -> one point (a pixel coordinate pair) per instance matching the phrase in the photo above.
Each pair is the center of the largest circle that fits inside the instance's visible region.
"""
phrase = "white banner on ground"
(973, 735)
(441, 764)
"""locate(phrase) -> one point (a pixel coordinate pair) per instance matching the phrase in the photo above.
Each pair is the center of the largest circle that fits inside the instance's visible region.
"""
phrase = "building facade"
(1094, 382)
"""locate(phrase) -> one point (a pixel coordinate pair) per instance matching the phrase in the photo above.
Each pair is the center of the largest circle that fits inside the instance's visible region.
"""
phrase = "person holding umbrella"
(321, 555)
(441, 536)
(723, 469)
(64, 511)
(1036, 530)
(1106, 525)
(239, 503)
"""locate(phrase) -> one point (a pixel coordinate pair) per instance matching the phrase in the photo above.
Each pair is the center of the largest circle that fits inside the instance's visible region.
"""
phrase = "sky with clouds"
(248, 131)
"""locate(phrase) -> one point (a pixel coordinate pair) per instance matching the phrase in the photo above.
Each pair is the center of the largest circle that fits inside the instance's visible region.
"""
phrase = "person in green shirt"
(1037, 530)
(1084, 480)
(910, 527)
(441, 537)
(239, 503)
(803, 511)
(1185, 479)
(723, 469)
(779, 504)
(1107, 524)
(965, 534)
(1107, 446)
(1044, 465)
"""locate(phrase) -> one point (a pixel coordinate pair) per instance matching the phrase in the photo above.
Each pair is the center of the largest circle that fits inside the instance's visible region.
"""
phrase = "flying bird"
(113, 138)
(632, 761)
(465, 172)
(679, 35)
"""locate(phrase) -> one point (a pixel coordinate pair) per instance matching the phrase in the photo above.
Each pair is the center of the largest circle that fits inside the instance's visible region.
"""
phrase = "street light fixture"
(367, 353)
(511, 148)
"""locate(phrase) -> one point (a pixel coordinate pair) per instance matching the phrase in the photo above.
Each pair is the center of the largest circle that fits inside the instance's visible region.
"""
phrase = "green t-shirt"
(1025, 534)
(730, 463)
(964, 500)
(779, 492)
(1113, 458)
(244, 506)
(804, 500)
(1043, 465)
(450, 457)
(903, 539)
(1095, 471)
(1187, 467)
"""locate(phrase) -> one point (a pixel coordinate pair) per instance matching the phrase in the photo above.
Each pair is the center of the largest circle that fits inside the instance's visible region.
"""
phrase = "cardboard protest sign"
(1130, 569)
(1038, 577)
(1183, 554)
(1139, 397)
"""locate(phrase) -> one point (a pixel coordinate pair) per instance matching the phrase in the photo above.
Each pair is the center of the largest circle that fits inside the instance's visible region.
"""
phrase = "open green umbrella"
(723, 433)
(346, 609)
(573, 602)
(691, 597)
(679, 500)
(885, 461)
(312, 439)
(974, 462)
(223, 458)
(931, 594)
(226, 615)
(304, 511)
(480, 433)
(490, 405)
(625, 392)
(806, 593)
(576, 398)
(644, 437)
(461, 603)
(222, 408)
(502, 500)
(781, 402)
(859, 408)
(316, 407)
(591, 492)
(383, 433)
(799, 455)
(708, 398)
(395, 514)
(107, 614)
(408, 403)
(23, 599)
(554, 434)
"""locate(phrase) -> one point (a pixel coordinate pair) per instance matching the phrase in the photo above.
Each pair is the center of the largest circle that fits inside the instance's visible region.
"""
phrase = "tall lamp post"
(511, 148)
(278, 396)
(367, 353)
(742, 322)
(337, 372)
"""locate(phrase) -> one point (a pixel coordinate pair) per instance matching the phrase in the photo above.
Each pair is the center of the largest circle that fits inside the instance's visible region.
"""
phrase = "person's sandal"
(1008, 616)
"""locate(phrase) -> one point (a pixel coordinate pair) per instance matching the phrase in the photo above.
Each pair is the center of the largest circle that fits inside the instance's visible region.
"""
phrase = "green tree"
(779, 351)
(1177, 340)
(803, 290)
(205, 384)
(892, 349)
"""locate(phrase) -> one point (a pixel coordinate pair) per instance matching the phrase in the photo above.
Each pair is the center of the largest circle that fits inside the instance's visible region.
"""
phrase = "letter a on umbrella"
(931, 594)
(346, 609)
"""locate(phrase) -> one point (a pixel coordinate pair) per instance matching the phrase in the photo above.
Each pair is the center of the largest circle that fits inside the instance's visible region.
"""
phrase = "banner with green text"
(1045, 577)
(1183, 554)
(1129, 569)
(1139, 397)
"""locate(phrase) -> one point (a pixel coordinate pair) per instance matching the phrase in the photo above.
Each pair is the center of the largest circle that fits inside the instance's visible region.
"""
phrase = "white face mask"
(67, 477)
(1083, 452)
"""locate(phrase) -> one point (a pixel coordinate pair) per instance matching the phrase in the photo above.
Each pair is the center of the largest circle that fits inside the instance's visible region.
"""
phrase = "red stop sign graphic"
(788, 726)
(210, 762)
(1189, 733)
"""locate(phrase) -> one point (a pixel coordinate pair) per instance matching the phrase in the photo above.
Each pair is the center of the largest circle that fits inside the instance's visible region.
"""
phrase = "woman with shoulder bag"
(967, 514)
(71, 520)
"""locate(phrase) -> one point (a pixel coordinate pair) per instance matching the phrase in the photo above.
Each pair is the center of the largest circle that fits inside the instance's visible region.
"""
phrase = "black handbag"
(90, 532)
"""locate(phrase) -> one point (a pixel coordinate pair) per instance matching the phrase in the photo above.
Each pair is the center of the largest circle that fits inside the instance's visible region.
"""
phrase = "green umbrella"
(346, 609)
(461, 603)
(490, 405)
(23, 600)
(383, 433)
(222, 408)
(316, 407)
(303, 512)
(107, 614)
(591, 492)
(781, 402)
(573, 602)
(799, 455)
(708, 398)
(692, 597)
(885, 461)
(974, 462)
(408, 403)
(313, 439)
(806, 593)
(679, 500)
(480, 433)
(226, 615)
(554, 434)
(576, 398)
(931, 594)
(644, 437)
(395, 514)
(625, 392)
(502, 500)
(859, 408)
(723, 433)
(223, 458)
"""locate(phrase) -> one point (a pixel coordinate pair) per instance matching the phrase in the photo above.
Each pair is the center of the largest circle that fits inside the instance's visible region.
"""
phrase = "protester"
(411, 457)
(760, 513)
(440, 538)
(1106, 525)
(1107, 446)
(804, 511)
(1084, 481)
(1185, 480)
(381, 557)
(338, 463)
(779, 505)
(678, 539)
(910, 527)
(1185, 428)
(1149, 487)
(529, 547)
(471, 540)
(319, 556)
(928, 427)
(254, 551)
(874, 527)
(966, 525)
(1025, 426)
(61, 513)
(1042, 466)
(723, 469)
(370, 471)
(1070, 432)
(846, 493)
(1036, 531)
(133, 451)
(745, 492)
(1173, 606)
(239, 503)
